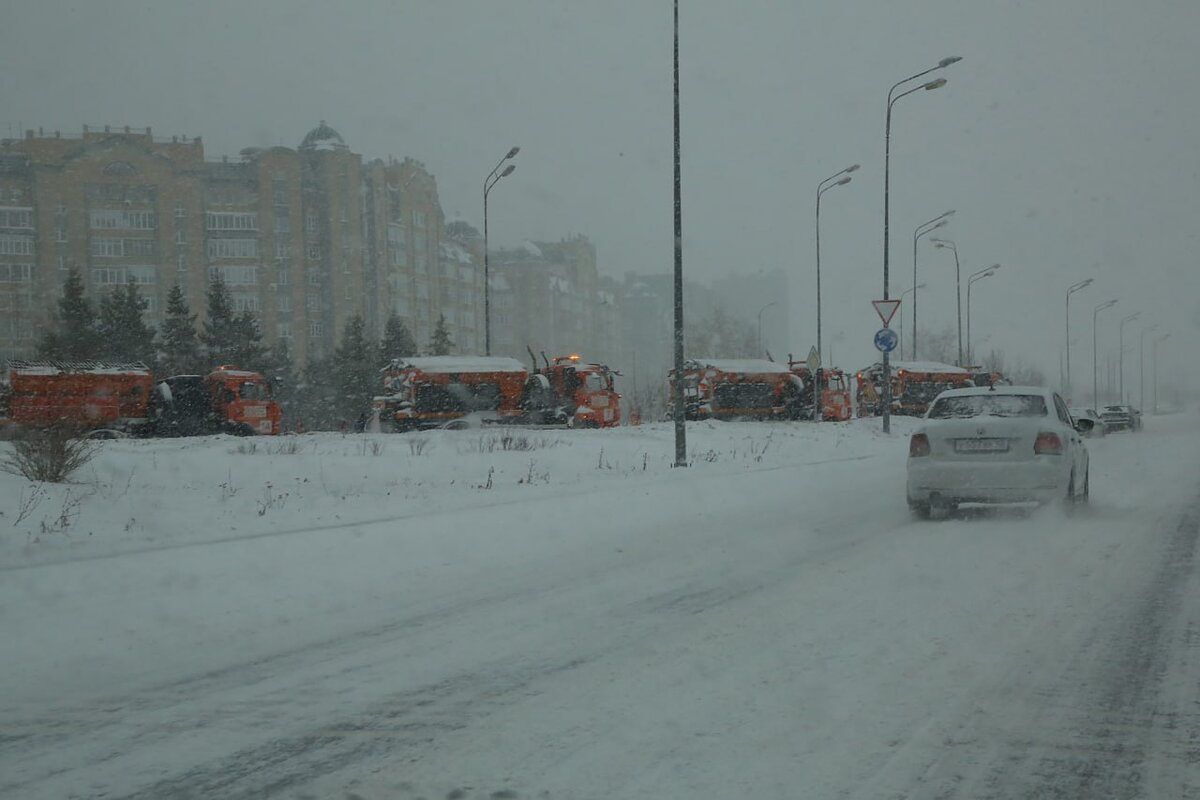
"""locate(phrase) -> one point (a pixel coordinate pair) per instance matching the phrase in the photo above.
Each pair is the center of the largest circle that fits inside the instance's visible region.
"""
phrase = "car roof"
(972, 391)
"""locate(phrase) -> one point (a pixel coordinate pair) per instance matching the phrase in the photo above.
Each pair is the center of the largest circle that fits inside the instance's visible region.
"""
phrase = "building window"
(313, 302)
(16, 245)
(15, 217)
(283, 302)
(419, 219)
(283, 330)
(233, 248)
(181, 235)
(279, 191)
(283, 223)
(316, 329)
(60, 235)
(243, 301)
(283, 249)
(311, 224)
(228, 221)
(313, 251)
(181, 262)
(235, 276)
(314, 277)
(283, 274)
(119, 276)
(16, 273)
(106, 219)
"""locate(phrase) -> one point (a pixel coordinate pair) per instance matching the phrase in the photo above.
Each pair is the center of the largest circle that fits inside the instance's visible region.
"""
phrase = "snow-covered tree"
(75, 336)
(124, 335)
(179, 350)
(354, 370)
(441, 344)
(397, 341)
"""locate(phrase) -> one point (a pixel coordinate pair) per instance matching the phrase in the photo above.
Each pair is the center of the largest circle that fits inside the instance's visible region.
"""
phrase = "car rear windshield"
(994, 405)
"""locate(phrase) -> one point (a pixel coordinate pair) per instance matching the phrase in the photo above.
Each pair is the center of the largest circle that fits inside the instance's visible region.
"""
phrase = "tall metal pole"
(1121, 354)
(1095, 354)
(490, 181)
(840, 178)
(1160, 339)
(971, 279)
(1142, 368)
(949, 245)
(921, 230)
(1072, 289)
(887, 156)
(680, 433)
(913, 290)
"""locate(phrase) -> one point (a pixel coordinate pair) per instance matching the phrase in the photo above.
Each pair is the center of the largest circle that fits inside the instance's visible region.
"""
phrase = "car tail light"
(918, 446)
(1048, 444)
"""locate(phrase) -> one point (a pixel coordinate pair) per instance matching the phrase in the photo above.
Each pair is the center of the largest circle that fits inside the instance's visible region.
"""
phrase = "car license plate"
(981, 445)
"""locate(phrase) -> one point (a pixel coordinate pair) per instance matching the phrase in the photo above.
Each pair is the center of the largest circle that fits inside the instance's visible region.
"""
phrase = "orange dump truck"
(915, 384)
(569, 391)
(82, 394)
(226, 400)
(836, 402)
(724, 388)
(427, 392)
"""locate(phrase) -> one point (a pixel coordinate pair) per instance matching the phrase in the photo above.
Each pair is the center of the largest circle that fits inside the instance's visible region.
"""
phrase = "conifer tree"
(124, 336)
(74, 338)
(397, 342)
(441, 344)
(179, 348)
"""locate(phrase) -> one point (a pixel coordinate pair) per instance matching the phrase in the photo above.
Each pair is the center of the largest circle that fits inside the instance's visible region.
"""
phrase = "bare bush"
(417, 444)
(289, 447)
(50, 454)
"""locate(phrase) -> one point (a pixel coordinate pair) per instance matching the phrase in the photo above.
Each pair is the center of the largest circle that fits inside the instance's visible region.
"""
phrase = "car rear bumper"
(1042, 479)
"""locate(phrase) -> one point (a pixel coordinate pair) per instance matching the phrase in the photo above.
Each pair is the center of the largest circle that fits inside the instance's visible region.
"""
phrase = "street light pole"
(760, 313)
(1142, 367)
(949, 245)
(975, 276)
(1072, 289)
(1121, 354)
(921, 230)
(680, 428)
(1095, 355)
(837, 179)
(887, 155)
(913, 290)
(488, 183)
(1160, 339)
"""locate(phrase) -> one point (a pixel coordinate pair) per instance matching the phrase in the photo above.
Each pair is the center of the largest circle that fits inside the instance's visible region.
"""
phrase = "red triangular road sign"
(886, 309)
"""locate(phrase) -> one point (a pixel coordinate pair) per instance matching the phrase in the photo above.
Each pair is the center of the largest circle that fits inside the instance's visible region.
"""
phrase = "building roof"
(323, 137)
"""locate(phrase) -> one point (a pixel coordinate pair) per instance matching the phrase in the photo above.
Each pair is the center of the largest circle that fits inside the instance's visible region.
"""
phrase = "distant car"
(1121, 418)
(1004, 444)
(1098, 427)
(106, 433)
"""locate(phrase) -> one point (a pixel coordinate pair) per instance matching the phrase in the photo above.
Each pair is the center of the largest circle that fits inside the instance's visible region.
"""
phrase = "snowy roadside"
(139, 495)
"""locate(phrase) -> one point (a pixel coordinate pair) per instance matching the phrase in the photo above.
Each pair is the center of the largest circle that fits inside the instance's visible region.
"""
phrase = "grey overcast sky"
(1066, 139)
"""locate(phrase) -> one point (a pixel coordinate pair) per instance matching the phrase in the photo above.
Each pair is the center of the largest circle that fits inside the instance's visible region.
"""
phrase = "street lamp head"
(508, 170)
(512, 153)
(945, 62)
(843, 181)
(1103, 306)
(941, 223)
(937, 84)
(949, 213)
(851, 168)
(919, 286)
(942, 243)
(1131, 317)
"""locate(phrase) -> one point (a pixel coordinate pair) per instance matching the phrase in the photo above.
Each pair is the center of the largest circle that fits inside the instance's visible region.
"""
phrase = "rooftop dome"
(323, 137)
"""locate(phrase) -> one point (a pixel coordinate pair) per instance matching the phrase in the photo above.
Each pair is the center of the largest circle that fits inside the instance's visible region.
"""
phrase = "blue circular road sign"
(886, 340)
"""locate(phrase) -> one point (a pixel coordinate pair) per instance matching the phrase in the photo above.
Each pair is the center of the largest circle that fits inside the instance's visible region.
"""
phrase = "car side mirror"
(1084, 425)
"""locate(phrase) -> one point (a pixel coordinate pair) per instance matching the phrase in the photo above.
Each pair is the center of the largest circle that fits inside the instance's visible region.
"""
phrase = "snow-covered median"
(141, 495)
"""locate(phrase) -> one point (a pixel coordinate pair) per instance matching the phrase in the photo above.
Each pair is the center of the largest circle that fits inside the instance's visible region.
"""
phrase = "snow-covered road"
(773, 628)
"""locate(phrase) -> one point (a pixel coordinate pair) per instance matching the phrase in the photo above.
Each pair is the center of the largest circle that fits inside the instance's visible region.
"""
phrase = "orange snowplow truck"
(427, 392)
(915, 384)
(836, 403)
(226, 400)
(721, 388)
(81, 394)
(568, 391)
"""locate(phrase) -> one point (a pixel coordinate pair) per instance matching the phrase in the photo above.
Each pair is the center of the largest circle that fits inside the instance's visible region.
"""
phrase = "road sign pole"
(886, 309)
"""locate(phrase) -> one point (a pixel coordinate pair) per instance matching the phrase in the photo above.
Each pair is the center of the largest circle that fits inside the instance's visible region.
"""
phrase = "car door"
(1074, 440)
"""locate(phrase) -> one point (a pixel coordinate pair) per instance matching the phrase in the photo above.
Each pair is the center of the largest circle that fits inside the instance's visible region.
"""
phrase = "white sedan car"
(1004, 444)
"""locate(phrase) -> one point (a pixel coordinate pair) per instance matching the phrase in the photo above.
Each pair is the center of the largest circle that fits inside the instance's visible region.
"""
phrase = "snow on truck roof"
(928, 366)
(441, 365)
(53, 367)
(750, 366)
